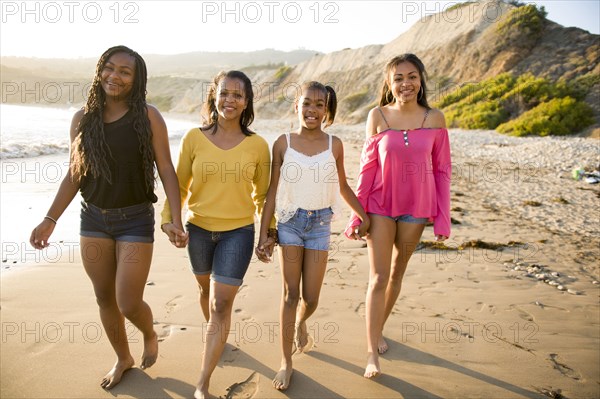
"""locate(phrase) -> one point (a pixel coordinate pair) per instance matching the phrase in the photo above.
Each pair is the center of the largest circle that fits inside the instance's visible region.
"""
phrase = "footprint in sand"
(166, 330)
(334, 271)
(563, 368)
(353, 268)
(241, 291)
(172, 304)
(244, 390)
(522, 313)
(229, 356)
(360, 309)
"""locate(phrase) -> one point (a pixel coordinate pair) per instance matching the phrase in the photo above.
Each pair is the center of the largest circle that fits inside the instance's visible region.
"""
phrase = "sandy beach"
(509, 309)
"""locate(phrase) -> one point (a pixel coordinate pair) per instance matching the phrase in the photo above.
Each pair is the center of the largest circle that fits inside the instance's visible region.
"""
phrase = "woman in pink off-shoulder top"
(404, 182)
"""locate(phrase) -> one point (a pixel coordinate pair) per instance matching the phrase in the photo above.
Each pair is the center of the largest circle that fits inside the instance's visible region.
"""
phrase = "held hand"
(361, 230)
(440, 238)
(40, 235)
(176, 235)
(264, 250)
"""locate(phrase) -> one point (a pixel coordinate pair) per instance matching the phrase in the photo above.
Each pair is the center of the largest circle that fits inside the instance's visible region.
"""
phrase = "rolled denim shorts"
(131, 224)
(223, 254)
(308, 229)
(407, 219)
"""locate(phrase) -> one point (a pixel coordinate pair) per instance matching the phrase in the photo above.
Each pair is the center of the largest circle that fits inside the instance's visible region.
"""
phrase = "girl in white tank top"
(307, 178)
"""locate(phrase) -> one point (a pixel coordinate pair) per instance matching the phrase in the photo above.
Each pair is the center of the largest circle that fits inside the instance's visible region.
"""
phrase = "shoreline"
(464, 317)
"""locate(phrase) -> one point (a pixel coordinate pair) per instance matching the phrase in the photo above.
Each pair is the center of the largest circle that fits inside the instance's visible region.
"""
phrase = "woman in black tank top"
(117, 141)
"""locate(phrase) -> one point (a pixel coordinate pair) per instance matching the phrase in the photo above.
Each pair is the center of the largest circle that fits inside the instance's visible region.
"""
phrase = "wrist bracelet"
(272, 233)
(50, 218)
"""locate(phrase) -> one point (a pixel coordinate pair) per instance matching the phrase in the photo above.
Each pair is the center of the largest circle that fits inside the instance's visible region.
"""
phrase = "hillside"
(464, 48)
(175, 81)
(460, 46)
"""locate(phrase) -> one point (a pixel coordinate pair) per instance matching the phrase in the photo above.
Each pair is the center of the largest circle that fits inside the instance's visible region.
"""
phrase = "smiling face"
(405, 82)
(118, 75)
(311, 108)
(230, 98)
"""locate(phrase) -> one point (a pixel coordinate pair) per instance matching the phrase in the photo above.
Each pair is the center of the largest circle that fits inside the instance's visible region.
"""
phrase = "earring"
(421, 92)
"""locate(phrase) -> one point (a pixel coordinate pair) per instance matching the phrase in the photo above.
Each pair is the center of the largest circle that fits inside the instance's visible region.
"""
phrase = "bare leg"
(99, 261)
(408, 236)
(217, 330)
(290, 259)
(133, 266)
(313, 272)
(204, 293)
(380, 241)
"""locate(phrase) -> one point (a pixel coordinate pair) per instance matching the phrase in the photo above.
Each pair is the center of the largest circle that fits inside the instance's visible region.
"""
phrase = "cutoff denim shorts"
(131, 224)
(223, 254)
(308, 229)
(407, 219)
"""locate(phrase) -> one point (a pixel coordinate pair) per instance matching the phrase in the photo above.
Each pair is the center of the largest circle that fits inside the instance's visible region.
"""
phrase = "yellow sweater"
(225, 187)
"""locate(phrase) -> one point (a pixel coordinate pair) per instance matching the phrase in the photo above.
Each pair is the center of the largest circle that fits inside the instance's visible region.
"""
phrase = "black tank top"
(126, 167)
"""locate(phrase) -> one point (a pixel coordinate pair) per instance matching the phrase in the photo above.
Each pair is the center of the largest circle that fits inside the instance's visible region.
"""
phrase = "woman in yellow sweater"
(223, 172)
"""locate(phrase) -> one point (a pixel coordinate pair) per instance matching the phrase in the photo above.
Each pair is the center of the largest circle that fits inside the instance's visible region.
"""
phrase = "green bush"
(354, 100)
(282, 72)
(534, 101)
(559, 116)
(484, 115)
(527, 20)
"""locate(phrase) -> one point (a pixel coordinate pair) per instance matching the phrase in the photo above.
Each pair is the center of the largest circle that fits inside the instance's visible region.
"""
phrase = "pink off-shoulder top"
(406, 172)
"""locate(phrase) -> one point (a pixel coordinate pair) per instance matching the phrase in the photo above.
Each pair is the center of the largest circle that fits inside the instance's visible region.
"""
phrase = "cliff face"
(465, 44)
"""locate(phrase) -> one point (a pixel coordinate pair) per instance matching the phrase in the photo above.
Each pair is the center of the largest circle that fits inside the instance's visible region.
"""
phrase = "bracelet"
(272, 233)
(50, 218)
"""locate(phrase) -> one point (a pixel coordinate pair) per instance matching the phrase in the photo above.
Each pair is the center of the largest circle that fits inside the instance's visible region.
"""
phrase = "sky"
(81, 29)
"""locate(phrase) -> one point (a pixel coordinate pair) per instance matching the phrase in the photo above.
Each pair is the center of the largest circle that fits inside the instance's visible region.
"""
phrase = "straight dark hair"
(209, 111)
(387, 97)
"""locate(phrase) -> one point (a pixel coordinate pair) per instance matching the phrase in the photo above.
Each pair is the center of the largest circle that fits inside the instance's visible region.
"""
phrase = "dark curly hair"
(90, 152)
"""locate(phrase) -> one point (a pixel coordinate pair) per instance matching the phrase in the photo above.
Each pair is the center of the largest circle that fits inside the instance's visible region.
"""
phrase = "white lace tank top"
(307, 182)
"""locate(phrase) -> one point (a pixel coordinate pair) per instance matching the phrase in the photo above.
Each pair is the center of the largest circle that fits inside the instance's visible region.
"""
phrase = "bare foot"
(372, 370)
(201, 394)
(382, 346)
(150, 352)
(304, 342)
(282, 378)
(114, 375)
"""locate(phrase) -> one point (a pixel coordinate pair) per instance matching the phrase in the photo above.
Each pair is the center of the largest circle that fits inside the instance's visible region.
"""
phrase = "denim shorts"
(308, 229)
(407, 219)
(223, 254)
(131, 224)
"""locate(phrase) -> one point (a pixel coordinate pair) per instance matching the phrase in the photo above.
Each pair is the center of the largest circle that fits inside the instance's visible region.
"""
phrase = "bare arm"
(264, 249)
(373, 121)
(347, 193)
(66, 192)
(166, 171)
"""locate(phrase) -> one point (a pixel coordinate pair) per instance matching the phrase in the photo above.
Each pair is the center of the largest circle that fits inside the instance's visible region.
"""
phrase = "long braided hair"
(90, 152)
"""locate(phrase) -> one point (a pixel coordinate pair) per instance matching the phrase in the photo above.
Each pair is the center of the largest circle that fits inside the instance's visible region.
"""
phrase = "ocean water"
(27, 131)
(34, 143)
